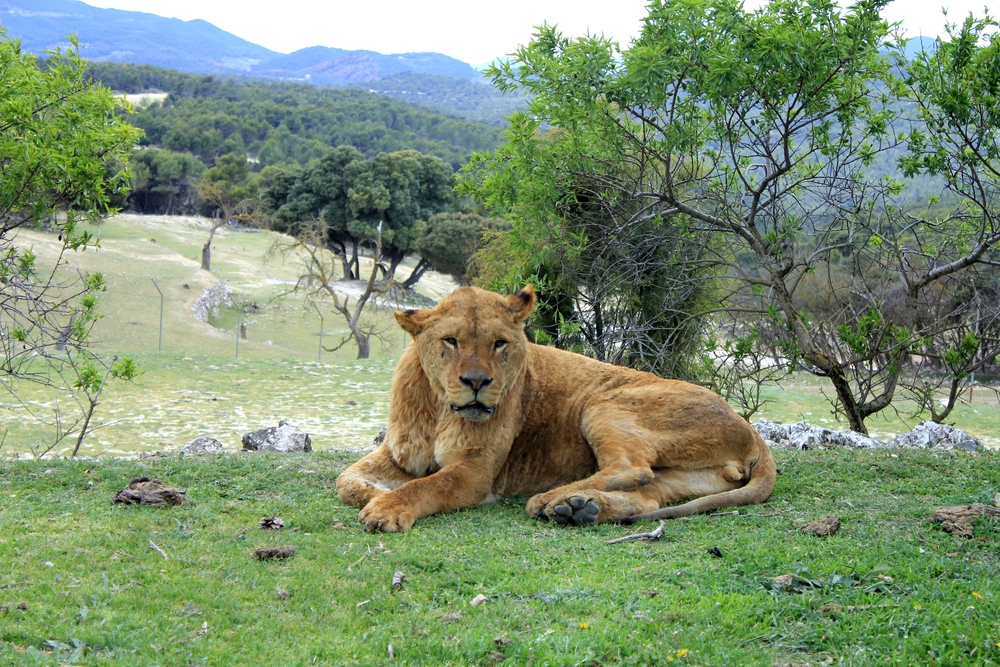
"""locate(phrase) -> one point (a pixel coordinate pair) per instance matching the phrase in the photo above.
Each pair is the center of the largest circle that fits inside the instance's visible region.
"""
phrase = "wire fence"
(160, 314)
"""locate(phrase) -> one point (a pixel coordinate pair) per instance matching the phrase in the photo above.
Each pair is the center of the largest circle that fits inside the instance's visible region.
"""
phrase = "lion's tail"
(757, 490)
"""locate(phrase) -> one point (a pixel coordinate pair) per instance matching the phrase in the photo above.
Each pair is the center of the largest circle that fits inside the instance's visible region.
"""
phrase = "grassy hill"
(199, 383)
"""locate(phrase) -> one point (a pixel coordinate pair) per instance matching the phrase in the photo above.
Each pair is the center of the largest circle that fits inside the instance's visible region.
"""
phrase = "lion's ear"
(412, 321)
(521, 303)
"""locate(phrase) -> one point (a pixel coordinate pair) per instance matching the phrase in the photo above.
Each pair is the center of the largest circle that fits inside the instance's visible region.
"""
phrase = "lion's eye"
(499, 345)
(450, 342)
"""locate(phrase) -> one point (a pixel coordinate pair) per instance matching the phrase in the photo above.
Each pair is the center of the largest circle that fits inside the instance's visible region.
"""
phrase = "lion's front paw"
(386, 514)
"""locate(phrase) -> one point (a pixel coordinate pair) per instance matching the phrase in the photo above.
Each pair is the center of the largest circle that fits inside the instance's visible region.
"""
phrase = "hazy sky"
(470, 30)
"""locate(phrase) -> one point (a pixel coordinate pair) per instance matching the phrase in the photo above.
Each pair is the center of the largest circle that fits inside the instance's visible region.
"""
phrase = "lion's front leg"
(374, 475)
(464, 484)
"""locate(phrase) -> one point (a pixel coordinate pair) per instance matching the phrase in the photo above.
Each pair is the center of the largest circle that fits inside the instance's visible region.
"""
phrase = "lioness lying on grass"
(478, 413)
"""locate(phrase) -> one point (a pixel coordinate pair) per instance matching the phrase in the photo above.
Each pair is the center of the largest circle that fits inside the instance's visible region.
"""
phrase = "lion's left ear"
(412, 321)
(521, 303)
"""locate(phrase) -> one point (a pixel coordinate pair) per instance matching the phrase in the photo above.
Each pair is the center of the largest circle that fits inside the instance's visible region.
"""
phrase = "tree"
(228, 190)
(319, 281)
(64, 150)
(956, 90)
(352, 196)
(448, 242)
(164, 182)
(396, 190)
(760, 128)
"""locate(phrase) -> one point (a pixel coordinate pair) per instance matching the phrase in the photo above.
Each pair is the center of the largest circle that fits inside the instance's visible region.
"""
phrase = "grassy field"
(196, 386)
(82, 584)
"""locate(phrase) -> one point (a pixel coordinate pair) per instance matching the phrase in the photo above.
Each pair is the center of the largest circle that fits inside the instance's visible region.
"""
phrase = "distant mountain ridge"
(198, 46)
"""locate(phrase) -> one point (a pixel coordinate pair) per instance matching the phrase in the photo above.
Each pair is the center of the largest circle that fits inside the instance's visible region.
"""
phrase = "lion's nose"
(476, 381)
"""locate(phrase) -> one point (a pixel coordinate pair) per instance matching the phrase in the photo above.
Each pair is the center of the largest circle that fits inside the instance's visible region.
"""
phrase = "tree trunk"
(394, 260)
(417, 273)
(355, 264)
(855, 416)
(364, 346)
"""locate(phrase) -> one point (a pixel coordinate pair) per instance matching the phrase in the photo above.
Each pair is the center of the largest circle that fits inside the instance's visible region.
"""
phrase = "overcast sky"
(470, 30)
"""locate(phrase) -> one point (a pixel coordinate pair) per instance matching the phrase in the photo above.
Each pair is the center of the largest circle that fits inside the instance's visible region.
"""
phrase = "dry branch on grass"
(651, 536)
(397, 581)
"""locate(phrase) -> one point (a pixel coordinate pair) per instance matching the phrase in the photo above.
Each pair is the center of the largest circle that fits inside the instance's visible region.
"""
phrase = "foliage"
(475, 100)
(164, 182)
(353, 197)
(277, 122)
(449, 241)
(761, 129)
(64, 156)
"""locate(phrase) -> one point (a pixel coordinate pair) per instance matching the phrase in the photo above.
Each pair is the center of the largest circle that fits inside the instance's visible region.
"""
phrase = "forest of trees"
(272, 123)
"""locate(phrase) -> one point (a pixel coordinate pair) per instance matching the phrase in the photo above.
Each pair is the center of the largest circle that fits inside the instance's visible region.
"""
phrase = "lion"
(477, 413)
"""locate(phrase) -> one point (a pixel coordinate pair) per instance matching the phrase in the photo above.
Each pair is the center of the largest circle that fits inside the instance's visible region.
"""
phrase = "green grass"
(87, 575)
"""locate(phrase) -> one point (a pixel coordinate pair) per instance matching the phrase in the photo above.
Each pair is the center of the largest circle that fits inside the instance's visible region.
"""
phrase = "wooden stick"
(159, 550)
(397, 581)
(650, 536)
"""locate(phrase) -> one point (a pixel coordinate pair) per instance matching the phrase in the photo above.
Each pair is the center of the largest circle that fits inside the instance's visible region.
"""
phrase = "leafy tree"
(353, 196)
(448, 242)
(760, 129)
(164, 182)
(64, 151)
(228, 191)
(956, 90)
(396, 190)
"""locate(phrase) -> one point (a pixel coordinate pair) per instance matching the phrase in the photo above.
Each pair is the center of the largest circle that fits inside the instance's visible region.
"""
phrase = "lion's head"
(472, 346)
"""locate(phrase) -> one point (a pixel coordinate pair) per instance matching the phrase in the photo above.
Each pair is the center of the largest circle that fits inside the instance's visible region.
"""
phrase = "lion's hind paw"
(575, 511)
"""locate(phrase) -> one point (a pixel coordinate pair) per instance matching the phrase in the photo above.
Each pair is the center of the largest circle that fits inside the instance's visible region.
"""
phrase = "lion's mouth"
(474, 405)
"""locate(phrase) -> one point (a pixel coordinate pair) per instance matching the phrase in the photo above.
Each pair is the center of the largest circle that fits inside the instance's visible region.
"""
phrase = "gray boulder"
(203, 445)
(938, 436)
(281, 438)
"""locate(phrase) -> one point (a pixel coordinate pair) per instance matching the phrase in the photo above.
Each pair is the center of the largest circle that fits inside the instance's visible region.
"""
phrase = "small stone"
(478, 600)
(823, 526)
(283, 438)
(203, 445)
(783, 580)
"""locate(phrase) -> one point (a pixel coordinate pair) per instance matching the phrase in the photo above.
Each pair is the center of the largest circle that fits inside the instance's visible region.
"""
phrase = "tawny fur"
(529, 420)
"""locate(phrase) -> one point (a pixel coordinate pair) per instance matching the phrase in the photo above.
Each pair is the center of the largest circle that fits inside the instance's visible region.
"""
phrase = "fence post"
(159, 342)
(319, 352)
(239, 317)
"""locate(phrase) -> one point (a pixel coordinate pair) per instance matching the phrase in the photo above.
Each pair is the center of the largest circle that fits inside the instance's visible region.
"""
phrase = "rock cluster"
(938, 436)
(801, 435)
(211, 300)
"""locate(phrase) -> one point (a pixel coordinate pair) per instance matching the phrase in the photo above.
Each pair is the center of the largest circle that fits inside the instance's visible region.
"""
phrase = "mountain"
(198, 46)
